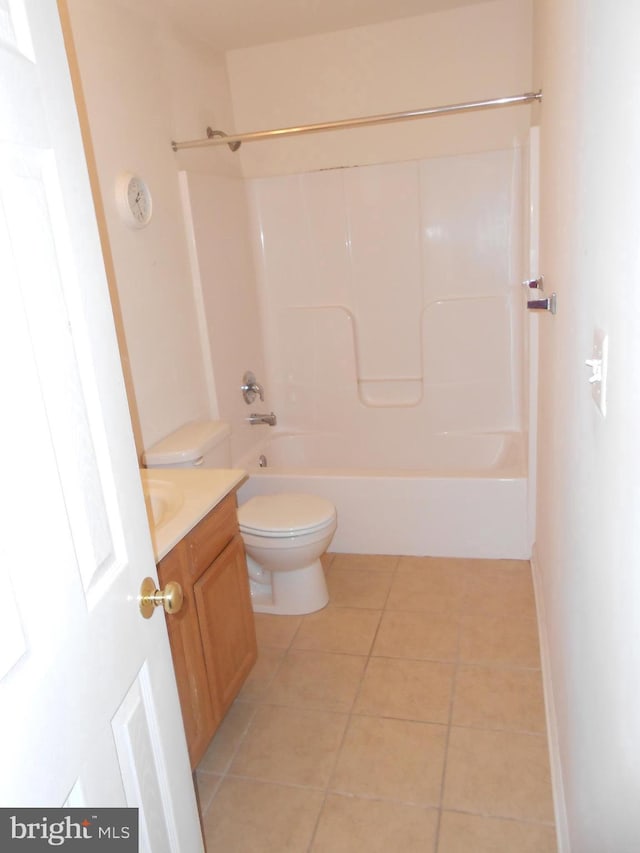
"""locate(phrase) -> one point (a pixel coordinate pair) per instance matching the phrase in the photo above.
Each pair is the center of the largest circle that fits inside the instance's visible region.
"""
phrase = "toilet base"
(290, 593)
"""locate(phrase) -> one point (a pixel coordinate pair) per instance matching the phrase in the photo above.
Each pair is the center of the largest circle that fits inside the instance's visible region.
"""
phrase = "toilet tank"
(198, 443)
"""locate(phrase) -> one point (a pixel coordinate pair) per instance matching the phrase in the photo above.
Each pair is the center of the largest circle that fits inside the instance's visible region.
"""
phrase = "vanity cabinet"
(213, 640)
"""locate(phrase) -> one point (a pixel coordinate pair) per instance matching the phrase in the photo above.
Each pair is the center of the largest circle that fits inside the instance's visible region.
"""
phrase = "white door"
(89, 711)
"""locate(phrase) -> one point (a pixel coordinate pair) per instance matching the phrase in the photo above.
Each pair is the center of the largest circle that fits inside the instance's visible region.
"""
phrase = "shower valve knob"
(251, 388)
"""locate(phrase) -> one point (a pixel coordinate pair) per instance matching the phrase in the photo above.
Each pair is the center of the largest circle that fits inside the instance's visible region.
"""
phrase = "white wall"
(473, 52)
(224, 277)
(145, 85)
(588, 542)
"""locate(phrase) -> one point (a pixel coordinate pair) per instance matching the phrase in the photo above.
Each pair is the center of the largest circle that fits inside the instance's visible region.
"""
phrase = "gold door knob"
(150, 597)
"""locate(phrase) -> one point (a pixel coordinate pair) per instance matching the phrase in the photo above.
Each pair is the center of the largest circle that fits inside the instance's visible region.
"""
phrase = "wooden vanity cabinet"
(228, 632)
(198, 714)
(213, 640)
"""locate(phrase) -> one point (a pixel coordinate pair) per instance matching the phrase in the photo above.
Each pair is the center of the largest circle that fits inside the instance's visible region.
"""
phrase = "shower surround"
(391, 299)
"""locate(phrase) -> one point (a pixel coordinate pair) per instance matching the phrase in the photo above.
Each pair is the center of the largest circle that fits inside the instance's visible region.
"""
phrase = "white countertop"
(201, 490)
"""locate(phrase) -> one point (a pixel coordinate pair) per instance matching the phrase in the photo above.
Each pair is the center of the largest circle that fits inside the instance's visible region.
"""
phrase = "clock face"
(139, 200)
(134, 200)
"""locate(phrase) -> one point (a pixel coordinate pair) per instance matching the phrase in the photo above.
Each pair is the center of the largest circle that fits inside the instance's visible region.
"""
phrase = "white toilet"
(284, 535)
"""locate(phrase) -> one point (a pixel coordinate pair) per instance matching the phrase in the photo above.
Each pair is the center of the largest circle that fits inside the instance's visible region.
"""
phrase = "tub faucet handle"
(251, 388)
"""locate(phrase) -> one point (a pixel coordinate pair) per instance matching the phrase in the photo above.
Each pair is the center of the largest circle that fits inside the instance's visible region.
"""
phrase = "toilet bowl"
(284, 535)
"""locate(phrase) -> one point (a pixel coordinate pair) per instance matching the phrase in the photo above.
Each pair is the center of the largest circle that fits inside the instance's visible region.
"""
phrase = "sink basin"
(163, 500)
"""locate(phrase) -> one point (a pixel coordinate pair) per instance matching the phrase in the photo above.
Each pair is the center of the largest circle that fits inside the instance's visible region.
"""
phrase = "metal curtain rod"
(218, 137)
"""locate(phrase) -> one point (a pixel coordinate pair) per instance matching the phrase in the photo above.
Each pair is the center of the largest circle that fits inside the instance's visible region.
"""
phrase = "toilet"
(284, 535)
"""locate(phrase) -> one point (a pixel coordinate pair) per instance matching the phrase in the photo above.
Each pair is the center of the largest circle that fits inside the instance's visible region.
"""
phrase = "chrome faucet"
(251, 388)
(255, 418)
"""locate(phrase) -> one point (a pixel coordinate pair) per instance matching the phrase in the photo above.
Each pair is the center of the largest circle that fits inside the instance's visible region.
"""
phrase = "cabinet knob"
(150, 597)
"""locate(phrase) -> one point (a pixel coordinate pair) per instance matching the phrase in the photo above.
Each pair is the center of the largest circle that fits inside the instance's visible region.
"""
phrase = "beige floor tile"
(494, 639)
(226, 740)
(206, 784)
(391, 759)
(499, 698)
(262, 674)
(338, 629)
(465, 833)
(276, 631)
(354, 587)
(500, 588)
(384, 764)
(246, 816)
(408, 689)
(502, 774)
(324, 680)
(353, 825)
(422, 636)
(376, 562)
(428, 584)
(290, 745)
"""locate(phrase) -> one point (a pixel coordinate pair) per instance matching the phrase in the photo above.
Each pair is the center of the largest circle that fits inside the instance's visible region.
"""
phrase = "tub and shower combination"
(466, 497)
(396, 340)
(396, 347)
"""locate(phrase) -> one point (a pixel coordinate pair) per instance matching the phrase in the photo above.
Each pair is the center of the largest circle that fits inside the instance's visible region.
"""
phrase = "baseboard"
(559, 803)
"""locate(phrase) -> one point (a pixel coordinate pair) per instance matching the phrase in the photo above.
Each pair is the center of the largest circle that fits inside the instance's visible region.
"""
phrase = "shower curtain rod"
(234, 140)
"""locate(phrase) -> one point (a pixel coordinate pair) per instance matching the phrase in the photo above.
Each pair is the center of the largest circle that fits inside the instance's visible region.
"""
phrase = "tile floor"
(406, 717)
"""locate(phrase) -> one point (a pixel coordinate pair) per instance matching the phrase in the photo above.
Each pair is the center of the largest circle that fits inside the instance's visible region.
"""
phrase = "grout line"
(241, 737)
(258, 699)
(295, 633)
(349, 716)
(394, 575)
(454, 684)
(317, 824)
(374, 638)
(328, 789)
(245, 777)
(492, 816)
(204, 804)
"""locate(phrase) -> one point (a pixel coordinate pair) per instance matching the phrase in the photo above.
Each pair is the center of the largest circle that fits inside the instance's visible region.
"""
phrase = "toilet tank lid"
(186, 444)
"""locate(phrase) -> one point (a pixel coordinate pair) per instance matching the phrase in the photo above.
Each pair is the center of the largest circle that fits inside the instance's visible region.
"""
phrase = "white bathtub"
(465, 496)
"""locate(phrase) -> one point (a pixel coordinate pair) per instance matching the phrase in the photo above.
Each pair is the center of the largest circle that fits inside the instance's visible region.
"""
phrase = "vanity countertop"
(193, 493)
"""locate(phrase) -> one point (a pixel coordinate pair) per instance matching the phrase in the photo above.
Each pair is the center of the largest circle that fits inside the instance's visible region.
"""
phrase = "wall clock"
(133, 199)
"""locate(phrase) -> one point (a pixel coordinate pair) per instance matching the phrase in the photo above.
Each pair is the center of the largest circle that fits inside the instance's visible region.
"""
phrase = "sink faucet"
(255, 418)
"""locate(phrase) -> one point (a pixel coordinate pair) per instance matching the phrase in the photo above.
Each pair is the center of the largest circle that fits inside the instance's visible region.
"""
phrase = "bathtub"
(465, 496)
(460, 496)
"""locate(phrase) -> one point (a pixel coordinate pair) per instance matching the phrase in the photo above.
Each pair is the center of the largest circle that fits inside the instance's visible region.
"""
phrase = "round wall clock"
(134, 200)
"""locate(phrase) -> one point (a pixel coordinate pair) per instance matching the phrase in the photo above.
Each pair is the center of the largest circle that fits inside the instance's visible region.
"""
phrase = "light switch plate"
(598, 365)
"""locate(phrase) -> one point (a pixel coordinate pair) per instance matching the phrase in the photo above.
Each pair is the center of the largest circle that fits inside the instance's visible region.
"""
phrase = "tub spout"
(255, 418)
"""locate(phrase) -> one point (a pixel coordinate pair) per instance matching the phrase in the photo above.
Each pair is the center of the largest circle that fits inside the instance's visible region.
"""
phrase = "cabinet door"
(198, 714)
(226, 623)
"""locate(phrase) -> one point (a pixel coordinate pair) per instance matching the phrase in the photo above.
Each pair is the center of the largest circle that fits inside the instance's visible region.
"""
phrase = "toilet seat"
(288, 515)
